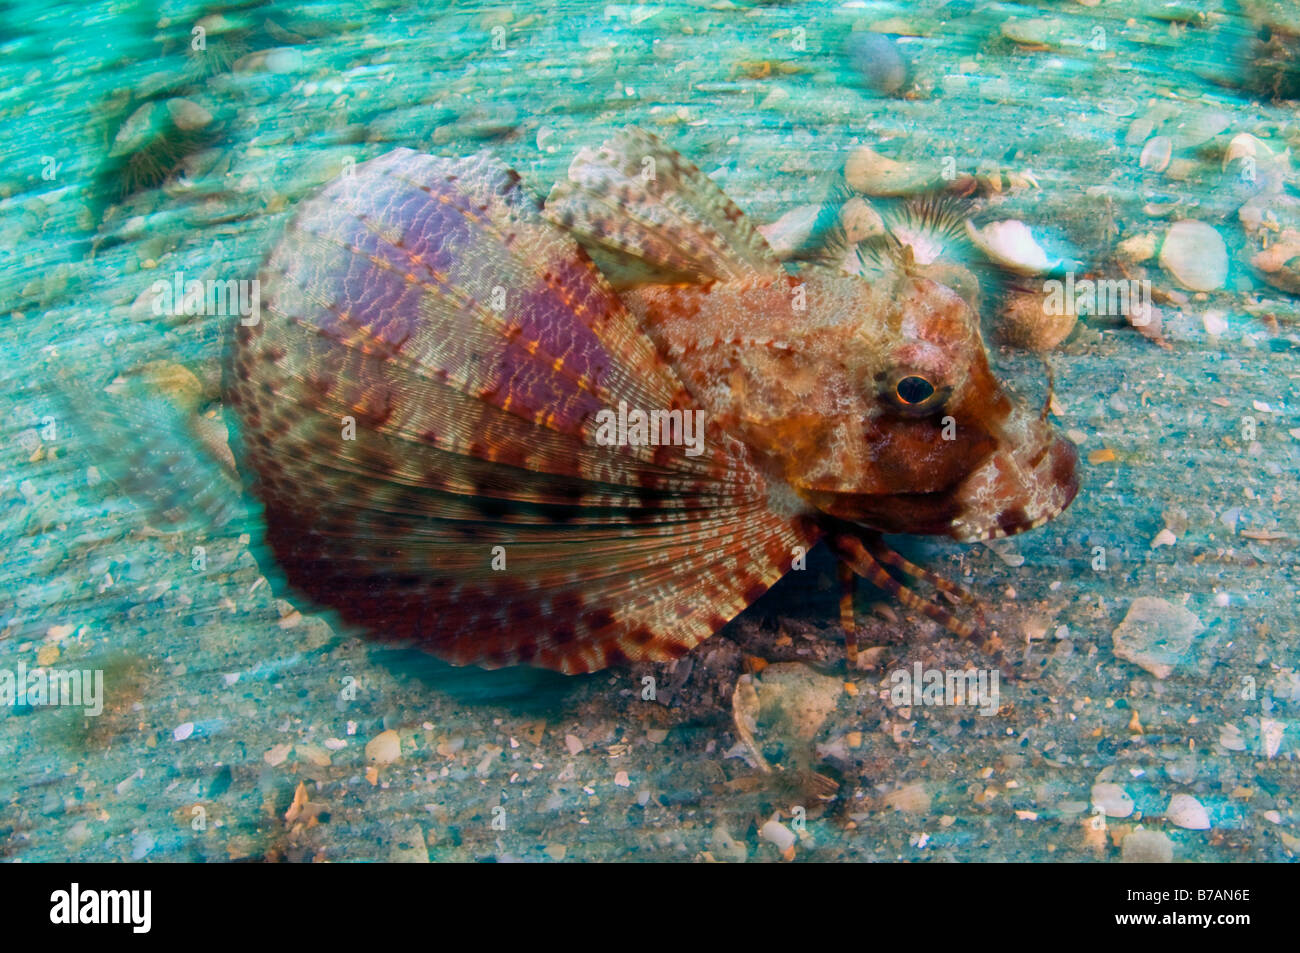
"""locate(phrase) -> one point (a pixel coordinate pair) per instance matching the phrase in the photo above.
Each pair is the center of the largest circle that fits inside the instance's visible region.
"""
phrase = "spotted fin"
(643, 211)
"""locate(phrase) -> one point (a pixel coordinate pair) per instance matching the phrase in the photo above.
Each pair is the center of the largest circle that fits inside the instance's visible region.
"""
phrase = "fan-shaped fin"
(470, 506)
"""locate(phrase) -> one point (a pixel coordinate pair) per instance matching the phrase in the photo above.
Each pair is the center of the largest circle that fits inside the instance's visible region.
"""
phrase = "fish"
(592, 431)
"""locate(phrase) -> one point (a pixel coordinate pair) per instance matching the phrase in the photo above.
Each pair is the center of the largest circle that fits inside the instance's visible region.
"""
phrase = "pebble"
(795, 698)
(140, 129)
(869, 172)
(384, 748)
(1198, 129)
(187, 115)
(1155, 635)
(1112, 799)
(878, 61)
(1139, 130)
(1146, 847)
(141, 845)
(725, 847)
(792, 231)
(1139, 248)
(183, 731)
(1230, 737)
(1215, 323)
(1025, 320)
(573, 744)
(1012, 245)
(910, 799)
(1188, 813)
(1036, 33)
(1163, 538)
(1279, 265)
(1156, 154)
(1195, 255)
(409, 847)
(860, 221)
(774, 832)
(282, 60)
(1270, 736)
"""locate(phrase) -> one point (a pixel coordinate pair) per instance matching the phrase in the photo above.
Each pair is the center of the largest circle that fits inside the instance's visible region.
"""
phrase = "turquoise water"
(243, 722)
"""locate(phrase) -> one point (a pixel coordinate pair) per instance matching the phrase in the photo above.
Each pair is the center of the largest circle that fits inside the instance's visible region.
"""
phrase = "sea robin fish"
(427, 409)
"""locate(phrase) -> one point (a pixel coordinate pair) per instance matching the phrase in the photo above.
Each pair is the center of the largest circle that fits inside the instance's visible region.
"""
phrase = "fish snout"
(1017, 490)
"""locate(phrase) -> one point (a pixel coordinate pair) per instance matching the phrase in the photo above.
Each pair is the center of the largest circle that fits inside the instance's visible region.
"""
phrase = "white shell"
(1188, 813)
(1012, 245)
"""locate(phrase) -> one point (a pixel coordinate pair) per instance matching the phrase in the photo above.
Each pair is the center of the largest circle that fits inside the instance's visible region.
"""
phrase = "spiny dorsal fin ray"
(640, 203)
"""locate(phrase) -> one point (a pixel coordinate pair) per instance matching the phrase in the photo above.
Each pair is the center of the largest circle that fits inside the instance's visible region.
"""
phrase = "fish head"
(915, 434)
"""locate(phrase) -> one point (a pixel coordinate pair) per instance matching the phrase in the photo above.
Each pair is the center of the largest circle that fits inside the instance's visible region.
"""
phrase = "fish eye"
(914, 390)
(914, 393)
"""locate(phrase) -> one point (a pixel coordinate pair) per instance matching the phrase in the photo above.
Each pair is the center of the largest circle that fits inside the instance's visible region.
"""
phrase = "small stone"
(774, 832)
(1012, 245)
(384, 748)
(1146, 847)
(141, 845)
(792, 231)
(1035, 33)
(878, 61)
(1138, 248)
(1139, 130)
(409, 847)
(1034, 321)
(1155, 635)
(796, 698)
(1215, 323)
(1187, 812)
(1197, 129)
(1112, 799)
(1195, 255)
(1230, 737)
(187, 115)
(1156, 154)
(285, 59)
(1163, 538)
(183, 731)
(860, 221)
(277, 755)
(573, 744)
(910, 799)
(727, 848)
(1270, 736)
(869, 172)
(315, 754)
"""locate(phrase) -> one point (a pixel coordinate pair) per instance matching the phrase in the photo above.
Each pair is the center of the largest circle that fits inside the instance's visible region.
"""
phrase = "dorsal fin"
(643, 211)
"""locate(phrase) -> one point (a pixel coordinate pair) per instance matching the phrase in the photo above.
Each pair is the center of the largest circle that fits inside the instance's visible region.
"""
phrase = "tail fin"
(640, 209)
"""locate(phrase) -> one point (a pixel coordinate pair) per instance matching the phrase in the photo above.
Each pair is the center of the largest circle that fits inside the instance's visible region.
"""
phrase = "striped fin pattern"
(473, 344)
(635, 202)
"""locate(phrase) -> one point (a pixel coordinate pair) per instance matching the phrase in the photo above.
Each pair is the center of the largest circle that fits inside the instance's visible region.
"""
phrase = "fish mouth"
(1015, 491)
